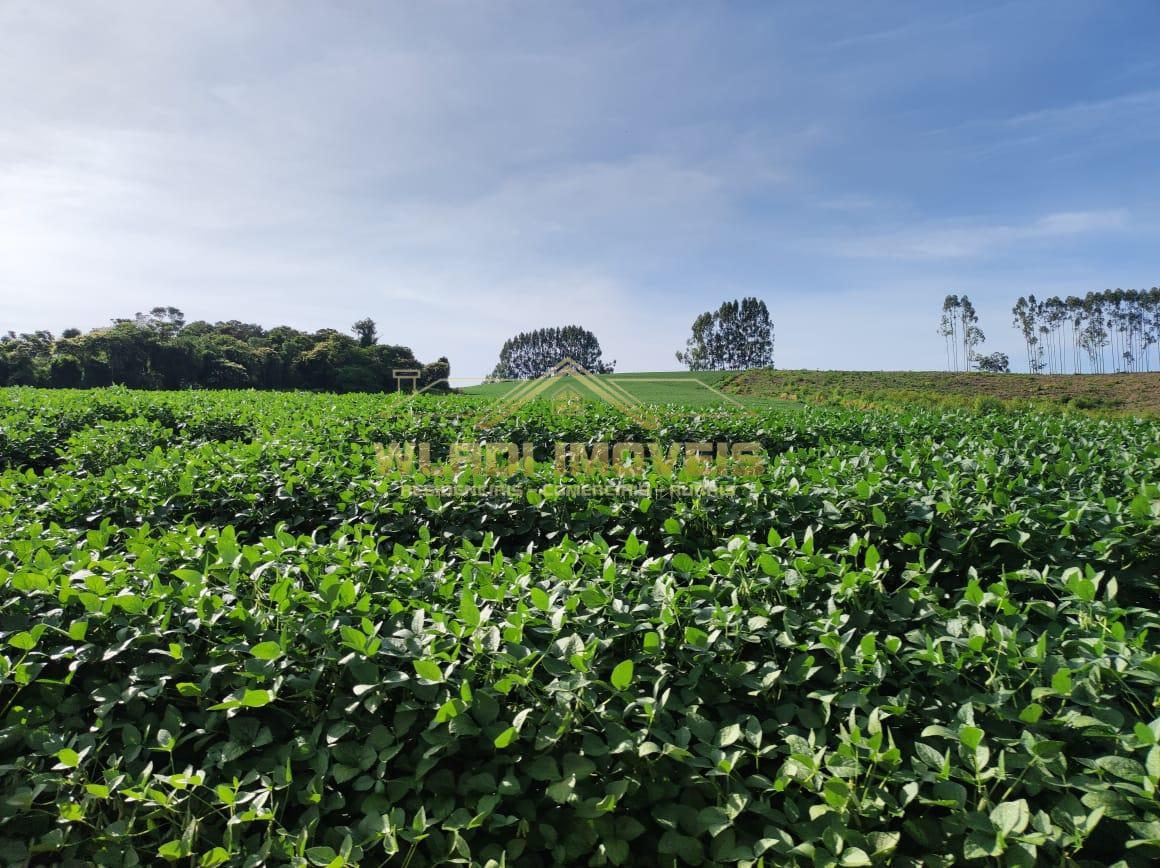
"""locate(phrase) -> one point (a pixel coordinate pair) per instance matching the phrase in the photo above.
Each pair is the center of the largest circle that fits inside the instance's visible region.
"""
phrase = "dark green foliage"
(925, 638)
(366, 331)
(535, 353)
(434, 376)
(158, 350)
(736, 336)
(995, 363)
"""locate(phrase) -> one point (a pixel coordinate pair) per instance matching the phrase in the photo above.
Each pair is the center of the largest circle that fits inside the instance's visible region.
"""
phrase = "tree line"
(159, 350)
(736, 336)
(1110, 331)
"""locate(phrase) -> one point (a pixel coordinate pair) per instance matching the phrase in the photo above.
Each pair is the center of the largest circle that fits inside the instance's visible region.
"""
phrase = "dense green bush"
(914, 639)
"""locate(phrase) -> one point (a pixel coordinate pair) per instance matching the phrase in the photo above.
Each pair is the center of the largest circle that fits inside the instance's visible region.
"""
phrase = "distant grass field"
(1112, 394)
(685, 388)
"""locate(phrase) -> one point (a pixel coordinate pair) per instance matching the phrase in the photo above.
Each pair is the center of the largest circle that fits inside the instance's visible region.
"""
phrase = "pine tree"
(736, 336)
(535, 353)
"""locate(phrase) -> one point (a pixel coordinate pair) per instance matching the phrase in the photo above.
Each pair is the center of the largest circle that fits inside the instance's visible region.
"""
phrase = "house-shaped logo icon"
(566, 385)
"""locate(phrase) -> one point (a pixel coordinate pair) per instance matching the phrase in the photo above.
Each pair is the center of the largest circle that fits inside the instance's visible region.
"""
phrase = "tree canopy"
(535, 353)
(159, 350)
(736, 336)
(995, 363)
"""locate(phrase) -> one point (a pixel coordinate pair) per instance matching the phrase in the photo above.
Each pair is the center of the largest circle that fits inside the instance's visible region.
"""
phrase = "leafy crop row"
(914, 639)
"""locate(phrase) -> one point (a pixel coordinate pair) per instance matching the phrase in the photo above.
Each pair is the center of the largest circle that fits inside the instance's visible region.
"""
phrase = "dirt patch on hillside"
(1125, 393)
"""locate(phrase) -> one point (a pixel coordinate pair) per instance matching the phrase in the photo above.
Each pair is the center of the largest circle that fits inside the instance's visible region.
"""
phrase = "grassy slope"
(654, 387)
(1129, 393)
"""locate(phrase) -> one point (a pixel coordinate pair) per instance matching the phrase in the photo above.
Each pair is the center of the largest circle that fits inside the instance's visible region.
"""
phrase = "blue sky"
(464, 171)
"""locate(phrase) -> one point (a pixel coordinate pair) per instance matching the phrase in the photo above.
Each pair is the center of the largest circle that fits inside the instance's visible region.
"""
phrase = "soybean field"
(231, 633)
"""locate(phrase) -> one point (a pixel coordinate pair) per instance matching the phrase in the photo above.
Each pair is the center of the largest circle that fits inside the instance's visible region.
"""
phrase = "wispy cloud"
(1062, 130)
(963, 241)
(1090, 111)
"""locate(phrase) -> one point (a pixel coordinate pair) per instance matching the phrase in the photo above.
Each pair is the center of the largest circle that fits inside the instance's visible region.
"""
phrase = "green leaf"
(561, 791)
(321, 856)
(713, 820)
(267, 651)
(1031, 713)
(214, 857)
(696, 637)
(23, 641)
(973, 593)
(980, 845)
(855, 856)
(428, 669)
(506, 737)
(1121, 767)
(622, 675)
(1011, 817)
(971, 736)
(675, 844)
(257, 698)
(176, 849)
(540, 599)
(617, 850)
(729, 734)
(929, 755)
(1152, 763)
(68, 757)
(469, 610)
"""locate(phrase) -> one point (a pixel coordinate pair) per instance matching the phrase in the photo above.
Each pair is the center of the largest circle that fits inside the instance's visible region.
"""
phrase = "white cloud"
(460, 173)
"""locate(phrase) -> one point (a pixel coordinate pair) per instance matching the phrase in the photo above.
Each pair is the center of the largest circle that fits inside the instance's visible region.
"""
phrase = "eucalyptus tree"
(1113, 330)
(1025, 312)
(948, 329)
(959, 327)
